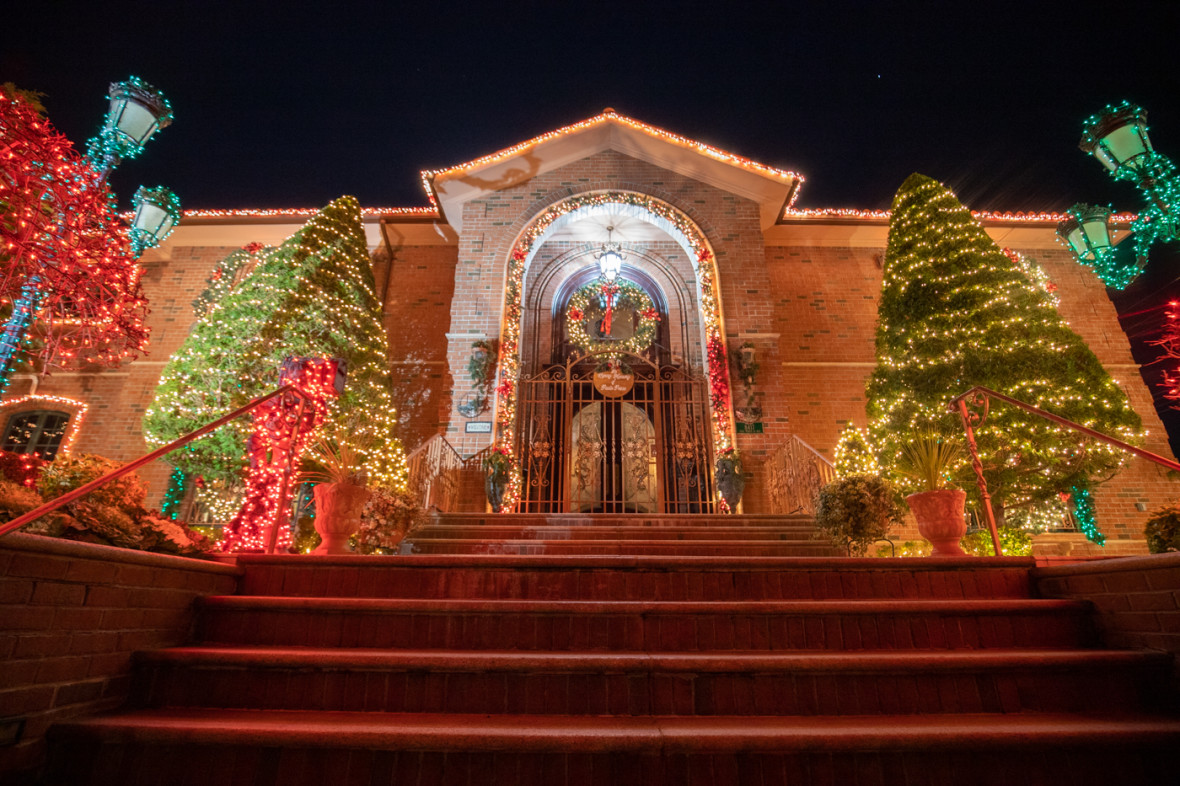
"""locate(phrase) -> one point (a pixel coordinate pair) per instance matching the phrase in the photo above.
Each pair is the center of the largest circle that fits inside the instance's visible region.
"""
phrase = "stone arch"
(683, 230)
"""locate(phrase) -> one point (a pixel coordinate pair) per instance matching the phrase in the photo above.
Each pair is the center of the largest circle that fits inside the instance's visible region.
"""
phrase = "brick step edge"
(727, 662)
(827, 607)
(452, 732)
(654, 561)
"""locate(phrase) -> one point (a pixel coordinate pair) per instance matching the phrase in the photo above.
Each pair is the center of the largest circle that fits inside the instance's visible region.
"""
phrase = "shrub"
(22, 468)
(1163, 530)
(111, 515)
(16, 500)
(856, 511)
(1014, 542)
(67, 473)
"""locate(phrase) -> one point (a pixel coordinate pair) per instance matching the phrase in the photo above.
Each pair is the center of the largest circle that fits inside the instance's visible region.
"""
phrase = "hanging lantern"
(157, 211)
(610, 258)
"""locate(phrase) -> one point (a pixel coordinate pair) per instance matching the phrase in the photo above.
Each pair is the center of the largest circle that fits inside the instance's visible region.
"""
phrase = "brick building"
(710, 238)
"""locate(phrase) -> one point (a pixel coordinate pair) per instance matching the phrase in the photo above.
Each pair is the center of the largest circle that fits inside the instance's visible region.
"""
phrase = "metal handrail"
(794, 482)
(980, 396)
(131, 466)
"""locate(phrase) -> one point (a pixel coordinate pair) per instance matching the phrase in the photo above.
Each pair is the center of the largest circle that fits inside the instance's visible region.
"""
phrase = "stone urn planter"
(940, 519)
(495, 484)
(498, 466)
(338, 514)
(730, 480)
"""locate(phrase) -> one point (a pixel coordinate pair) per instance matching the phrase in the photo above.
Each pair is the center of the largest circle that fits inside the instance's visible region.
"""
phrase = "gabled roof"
(773, 189)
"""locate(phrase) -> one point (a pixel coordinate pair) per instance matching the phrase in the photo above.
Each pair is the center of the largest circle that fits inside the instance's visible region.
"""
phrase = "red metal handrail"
(980, 396)
(131, 466)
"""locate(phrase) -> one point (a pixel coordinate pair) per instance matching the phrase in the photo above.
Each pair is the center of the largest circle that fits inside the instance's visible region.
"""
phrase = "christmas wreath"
(616, 297)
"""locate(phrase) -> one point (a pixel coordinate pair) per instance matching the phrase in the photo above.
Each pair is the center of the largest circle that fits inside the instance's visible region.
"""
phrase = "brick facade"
(802, 291)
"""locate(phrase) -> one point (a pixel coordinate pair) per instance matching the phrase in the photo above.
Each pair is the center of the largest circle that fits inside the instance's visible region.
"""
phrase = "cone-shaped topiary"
(956, 312)
(311, 296)
(854, 454)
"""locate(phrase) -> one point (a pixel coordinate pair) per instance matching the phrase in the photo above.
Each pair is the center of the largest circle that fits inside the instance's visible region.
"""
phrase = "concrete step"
(491, 531)
(564, 625)
(640, 683)
(646, 520)
(190, 746)
(742, 548)
(693, 578)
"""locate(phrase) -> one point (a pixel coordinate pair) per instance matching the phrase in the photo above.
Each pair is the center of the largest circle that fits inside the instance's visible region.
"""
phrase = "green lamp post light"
(1118, 138)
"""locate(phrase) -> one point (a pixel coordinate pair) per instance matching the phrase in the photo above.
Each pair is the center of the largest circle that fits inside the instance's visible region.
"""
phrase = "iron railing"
(131, 466)
(794, 475)
(980, 397)
(436, 474)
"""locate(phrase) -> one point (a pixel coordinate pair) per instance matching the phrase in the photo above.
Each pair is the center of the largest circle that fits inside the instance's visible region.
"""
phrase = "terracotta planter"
(940, 519)
(338, 508)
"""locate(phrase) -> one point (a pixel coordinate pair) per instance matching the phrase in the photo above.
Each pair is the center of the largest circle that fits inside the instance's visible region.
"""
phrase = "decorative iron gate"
(642, 449)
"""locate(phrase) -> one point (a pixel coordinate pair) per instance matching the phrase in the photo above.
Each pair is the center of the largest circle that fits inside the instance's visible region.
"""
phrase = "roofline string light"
(793, 178)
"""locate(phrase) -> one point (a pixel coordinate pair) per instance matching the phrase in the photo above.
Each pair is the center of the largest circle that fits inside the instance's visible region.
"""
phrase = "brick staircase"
(556, 663)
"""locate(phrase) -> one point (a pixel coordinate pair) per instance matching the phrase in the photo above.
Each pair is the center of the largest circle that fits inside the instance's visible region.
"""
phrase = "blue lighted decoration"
(137, 111)
(17, 327)
(1083, 507)
(157, 211)
(1117, 137)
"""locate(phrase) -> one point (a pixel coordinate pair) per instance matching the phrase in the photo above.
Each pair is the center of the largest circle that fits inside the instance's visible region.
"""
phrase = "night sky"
(298, 104)
(294, 104)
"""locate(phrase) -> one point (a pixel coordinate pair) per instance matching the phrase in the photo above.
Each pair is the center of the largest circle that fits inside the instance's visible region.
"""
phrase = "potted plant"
(730, 480)
(1163, 530)
(498, 466)
(856, 511)
(387, 519)
(938, 510)
(337, 469)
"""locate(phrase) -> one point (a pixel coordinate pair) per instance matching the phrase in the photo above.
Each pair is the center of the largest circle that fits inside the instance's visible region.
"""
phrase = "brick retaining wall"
(1136, 599)
(71, 614)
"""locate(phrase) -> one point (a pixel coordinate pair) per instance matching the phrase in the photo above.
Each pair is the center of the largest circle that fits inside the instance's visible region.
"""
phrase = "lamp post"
(136, 112)
(1118, 138)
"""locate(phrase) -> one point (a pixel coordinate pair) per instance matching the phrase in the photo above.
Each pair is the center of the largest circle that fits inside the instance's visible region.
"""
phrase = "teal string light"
(177, 486)
(1083, 505)
(1118, 138)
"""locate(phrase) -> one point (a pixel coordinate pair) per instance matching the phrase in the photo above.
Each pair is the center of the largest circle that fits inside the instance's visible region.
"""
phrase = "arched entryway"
(694, 377)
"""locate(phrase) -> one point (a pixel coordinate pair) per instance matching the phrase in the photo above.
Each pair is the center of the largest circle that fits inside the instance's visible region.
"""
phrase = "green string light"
(1084, 513)
(177, 485)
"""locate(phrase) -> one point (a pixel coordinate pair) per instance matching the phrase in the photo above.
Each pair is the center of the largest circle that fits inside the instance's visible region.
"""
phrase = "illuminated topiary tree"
(311, 296)
(956, 312)
(854, 454)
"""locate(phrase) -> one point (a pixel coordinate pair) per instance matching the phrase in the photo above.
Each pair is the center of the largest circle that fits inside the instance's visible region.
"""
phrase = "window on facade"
(39, 432)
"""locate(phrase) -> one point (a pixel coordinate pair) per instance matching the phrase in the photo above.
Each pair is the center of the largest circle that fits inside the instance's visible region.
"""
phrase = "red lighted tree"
(68, 275)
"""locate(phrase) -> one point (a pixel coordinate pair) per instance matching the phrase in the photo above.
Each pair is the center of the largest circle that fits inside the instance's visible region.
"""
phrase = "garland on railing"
(719, 393)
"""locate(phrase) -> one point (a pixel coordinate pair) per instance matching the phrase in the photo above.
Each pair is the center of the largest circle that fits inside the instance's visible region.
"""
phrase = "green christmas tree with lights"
(311, 296)
(854, 453)
(955, 312)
